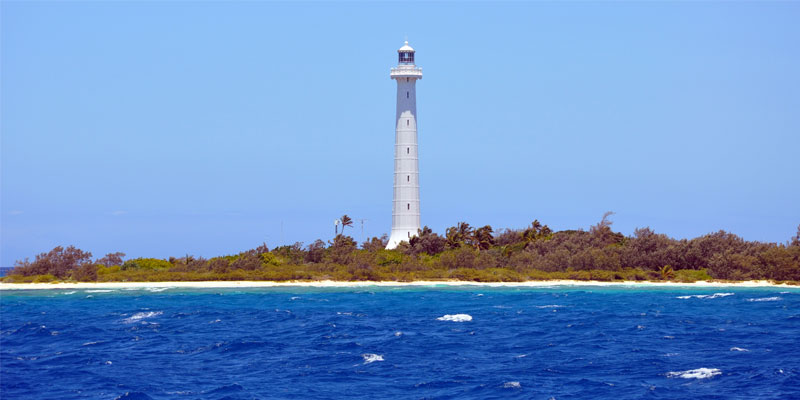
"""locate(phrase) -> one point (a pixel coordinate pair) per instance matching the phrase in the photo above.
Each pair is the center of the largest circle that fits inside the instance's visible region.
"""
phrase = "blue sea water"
(392, 342)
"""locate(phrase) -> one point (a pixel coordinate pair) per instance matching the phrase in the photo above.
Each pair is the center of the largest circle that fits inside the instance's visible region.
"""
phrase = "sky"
(169, 128)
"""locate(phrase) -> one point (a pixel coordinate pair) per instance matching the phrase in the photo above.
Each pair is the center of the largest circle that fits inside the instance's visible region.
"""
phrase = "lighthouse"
(405, 207)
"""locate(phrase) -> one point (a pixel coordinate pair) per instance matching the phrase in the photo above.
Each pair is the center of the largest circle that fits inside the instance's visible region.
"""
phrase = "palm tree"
(458, 235)
(667, 273)
(346, 221)
(483, 238)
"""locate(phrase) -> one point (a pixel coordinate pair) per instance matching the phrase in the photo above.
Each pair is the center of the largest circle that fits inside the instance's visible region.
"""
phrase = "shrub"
(147, 264)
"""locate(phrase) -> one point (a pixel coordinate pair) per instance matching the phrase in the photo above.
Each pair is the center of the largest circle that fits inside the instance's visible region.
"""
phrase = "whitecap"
(700, 373)
(73, 292)
(99, 291)
(371, 358)
(398, 333)
(141, 315)
(455, 318)
(108, 363)
(766, 299)
(295, 298)
(706, 296)
(89, 343)
(551, 306)
(512, 385)
(215, 321)
(157, 289)
(738, 349)
(521, 356)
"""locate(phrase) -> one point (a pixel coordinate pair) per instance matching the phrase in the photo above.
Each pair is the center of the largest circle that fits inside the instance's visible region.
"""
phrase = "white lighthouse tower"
(405, 207)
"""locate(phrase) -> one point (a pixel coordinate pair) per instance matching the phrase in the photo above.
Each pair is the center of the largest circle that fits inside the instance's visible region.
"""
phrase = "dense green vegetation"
(463, 253)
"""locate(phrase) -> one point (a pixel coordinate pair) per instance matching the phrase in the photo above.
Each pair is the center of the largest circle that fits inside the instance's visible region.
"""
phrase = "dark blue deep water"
(307, 343)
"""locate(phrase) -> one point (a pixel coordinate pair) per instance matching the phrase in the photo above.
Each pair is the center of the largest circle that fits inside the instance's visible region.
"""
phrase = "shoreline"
(356, 284)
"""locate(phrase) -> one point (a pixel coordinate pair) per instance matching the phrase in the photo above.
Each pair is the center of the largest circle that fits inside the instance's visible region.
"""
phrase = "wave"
(707, 296)
(551, 306)
(455, 318)
(512, 385)
(100, 291)
(700, 373)
(72, 292)
(766, 299)
(371, 358)
(157, 289)
(738, 349)
(226, 389)
(141, 315)
(134, 396)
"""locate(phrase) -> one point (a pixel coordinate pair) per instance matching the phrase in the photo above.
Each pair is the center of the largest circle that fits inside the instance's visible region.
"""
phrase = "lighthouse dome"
(406, 48)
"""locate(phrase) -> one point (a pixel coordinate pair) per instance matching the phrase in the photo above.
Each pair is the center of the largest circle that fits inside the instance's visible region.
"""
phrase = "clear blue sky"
(166, 128)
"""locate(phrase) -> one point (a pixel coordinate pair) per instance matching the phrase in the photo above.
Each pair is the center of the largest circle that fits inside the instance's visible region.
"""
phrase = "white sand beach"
(265, 284)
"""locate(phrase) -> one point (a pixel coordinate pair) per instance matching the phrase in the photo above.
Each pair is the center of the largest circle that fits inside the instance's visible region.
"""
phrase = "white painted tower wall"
(405, 207)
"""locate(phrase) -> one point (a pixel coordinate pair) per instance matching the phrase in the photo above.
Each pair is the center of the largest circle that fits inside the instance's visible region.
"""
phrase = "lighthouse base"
(400, 235)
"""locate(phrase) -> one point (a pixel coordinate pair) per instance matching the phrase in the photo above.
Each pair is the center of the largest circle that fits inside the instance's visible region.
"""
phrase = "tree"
(667, 273)
(111, 259)
(375, 243)
(458, 235)
(427, 241)
(482, 238)
(536, 231)
(59, 262)
(315, 251)
(346, 221)
(340, 249)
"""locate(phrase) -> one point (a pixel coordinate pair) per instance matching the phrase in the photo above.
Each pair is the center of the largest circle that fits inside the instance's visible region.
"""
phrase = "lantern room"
(406, 55)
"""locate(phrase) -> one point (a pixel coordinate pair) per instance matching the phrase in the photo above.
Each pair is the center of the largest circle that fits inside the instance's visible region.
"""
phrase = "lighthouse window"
(408, 150)
(408, 206)
(406, 94)
(408, 122)
(408, 178)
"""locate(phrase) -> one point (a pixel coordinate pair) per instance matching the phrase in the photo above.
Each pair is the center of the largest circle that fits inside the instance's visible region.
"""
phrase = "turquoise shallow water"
(309, 343)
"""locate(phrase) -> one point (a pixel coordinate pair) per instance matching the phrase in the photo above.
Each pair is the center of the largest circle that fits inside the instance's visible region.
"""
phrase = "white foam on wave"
(100, 291)
(72, 292)
(398, 333)
(157, 289)
(455, 318)
(551, 306)
(371, 358)
(707, 296)
(700, 373)
(512, 385)
(738, 349)
(766, 299)
(141, 315)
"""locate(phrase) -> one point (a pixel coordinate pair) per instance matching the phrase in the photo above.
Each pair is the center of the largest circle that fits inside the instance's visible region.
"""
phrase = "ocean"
(468, 342)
